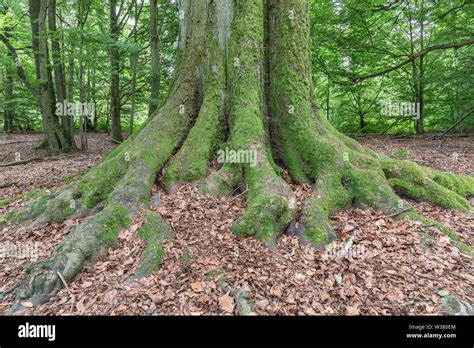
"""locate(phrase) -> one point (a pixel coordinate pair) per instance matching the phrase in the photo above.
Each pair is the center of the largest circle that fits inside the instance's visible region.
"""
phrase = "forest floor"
(397, 267)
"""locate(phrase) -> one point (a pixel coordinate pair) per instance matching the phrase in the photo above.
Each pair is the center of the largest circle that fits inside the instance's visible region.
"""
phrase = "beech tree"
(242, 82)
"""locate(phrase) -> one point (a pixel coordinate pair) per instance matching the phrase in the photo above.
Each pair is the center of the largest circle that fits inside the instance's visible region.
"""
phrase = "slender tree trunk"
(155, 49)
(8, 109)
(70, 87)
(116, 127)
(420, 98)
(9, 73)
(82, 94)
(94, 99)
(135, 59)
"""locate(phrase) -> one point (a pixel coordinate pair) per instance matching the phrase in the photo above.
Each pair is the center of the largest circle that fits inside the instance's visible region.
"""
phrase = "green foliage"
(88, 46)
(353, 38)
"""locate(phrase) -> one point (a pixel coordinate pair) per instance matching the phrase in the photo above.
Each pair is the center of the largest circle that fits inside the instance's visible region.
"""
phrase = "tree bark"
(155, 50)
(116, 127)
(54, 135)
(8, 110)
(59, 75)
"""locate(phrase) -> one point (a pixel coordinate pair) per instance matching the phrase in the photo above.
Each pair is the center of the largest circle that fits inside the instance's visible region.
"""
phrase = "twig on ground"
(73, 298)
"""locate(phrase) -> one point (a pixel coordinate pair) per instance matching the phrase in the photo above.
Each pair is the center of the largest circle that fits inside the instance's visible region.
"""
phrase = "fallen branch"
(7, 184)
(14, 163)
(240, 194)
(463, 117)
(114, 141)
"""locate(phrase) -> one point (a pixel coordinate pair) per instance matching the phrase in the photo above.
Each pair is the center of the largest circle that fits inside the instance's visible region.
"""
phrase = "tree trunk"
(135, 59)
(155, 58)
(243, 94)
(59, 76)
(116, 128)
(420, 98)
(8, 110)
(53, 132)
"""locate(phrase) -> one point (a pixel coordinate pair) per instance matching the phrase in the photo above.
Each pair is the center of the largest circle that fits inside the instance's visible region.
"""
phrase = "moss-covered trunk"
(243, 96)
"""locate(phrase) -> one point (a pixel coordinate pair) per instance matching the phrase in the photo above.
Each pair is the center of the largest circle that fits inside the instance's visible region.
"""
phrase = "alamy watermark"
(394, 109)
(237, 156)
(19, 251)
(75, 109)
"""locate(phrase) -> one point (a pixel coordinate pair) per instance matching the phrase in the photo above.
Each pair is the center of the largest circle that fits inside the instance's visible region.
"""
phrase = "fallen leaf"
(226, 303)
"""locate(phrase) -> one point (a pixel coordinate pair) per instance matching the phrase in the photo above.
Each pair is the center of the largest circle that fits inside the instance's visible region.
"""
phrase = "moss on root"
(192, 160)
(413, 215)
(444, 189)
(270, 202)
(154, 231)
(34, 194)
(123, 182)
(329, 195)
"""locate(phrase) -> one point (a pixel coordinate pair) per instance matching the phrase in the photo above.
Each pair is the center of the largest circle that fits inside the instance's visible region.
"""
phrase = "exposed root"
(329, 196)
(430, 185)
(223, 181)
(192, 160)
(154, 231)
(271, 204)
(146, 155)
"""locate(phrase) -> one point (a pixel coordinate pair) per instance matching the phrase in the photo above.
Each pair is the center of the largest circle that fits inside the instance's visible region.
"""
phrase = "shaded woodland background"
(365, 54)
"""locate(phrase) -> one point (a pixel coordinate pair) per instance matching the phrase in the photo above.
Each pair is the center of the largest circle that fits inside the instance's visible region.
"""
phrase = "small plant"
(402, 154)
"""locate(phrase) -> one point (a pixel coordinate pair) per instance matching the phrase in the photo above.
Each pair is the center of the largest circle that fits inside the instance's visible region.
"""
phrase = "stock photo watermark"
(75, 109)
(237, 156)
(20, 250)
(395, 109)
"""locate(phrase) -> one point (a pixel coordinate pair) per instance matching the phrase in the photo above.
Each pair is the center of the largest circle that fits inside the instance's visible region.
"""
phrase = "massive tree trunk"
(243, 86)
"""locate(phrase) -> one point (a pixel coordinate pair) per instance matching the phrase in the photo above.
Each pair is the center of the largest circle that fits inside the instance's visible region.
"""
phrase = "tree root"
(154, 231)
(192, 160)
(133, 177)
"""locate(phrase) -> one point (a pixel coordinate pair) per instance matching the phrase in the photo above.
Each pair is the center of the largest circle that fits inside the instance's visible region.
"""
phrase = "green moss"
(34, 194)
(444, 189)
(264, 218)
(431, 192)
(154, 231)
(101, 180)
(268, 212)
(370, 189)
(401, 154)
(110, 221)
(413, 215)
(62, 206)
(222, 182)
(315, 219)
(462, 185)
(29, 211)
(330, 195)
(192, 160)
